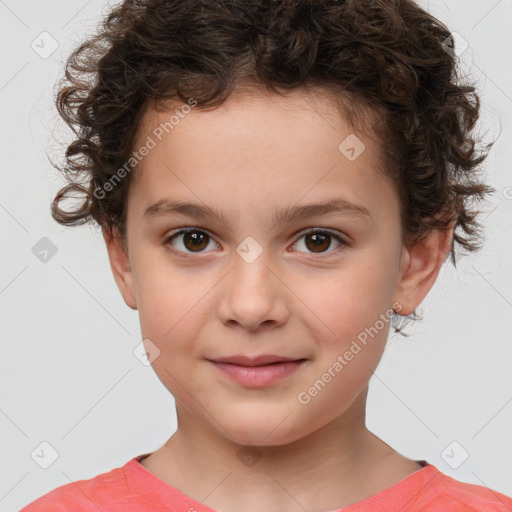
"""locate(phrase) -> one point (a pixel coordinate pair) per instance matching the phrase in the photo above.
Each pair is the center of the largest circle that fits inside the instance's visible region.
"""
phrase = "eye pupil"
(197, 240)
(318, 241)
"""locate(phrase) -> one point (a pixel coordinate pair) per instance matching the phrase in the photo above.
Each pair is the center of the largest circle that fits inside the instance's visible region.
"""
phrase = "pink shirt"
(133, 487)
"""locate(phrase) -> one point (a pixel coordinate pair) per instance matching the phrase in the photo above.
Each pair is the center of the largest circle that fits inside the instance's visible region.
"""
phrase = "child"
(276, 182)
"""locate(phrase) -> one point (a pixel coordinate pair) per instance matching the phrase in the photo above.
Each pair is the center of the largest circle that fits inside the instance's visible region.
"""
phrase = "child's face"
(250, 159)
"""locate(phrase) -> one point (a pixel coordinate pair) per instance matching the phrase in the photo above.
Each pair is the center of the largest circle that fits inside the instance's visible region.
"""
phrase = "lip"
(257, 372)
(254, 361)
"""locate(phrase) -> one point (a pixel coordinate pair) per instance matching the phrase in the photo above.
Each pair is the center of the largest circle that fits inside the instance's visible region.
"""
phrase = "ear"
(420, 266)
(120, 265)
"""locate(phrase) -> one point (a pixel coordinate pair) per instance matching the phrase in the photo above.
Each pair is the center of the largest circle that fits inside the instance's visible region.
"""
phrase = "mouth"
(262, 360)
(257, 372)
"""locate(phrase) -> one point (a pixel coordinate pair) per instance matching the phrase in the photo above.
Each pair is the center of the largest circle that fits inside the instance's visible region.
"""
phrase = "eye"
(193, 240)
(318, 241)
(190, 241)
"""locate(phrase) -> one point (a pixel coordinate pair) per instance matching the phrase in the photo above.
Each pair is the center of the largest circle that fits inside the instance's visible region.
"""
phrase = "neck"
(337, 465)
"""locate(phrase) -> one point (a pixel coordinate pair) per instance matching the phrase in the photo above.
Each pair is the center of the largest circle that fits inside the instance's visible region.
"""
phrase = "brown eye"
(195, 241)
(320, 241)
(190, 241)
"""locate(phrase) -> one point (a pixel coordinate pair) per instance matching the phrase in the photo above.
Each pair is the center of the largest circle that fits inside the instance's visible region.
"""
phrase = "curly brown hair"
(388, 58)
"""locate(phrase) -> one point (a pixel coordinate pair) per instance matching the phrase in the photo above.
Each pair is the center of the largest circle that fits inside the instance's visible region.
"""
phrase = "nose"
(253, 296)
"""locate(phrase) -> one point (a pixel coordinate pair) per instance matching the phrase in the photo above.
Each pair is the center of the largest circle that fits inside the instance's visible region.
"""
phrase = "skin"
(249, 158)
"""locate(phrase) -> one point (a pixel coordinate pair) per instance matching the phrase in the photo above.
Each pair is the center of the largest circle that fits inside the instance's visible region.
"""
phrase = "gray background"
(68, 373)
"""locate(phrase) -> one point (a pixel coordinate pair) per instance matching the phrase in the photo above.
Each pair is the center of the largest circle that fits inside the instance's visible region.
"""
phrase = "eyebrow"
(166, 207)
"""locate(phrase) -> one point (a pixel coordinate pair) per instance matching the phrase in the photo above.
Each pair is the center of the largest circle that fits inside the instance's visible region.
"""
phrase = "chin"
(258, 431)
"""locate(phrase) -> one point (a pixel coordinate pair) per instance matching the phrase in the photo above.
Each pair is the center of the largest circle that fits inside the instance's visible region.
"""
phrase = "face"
(255, 280)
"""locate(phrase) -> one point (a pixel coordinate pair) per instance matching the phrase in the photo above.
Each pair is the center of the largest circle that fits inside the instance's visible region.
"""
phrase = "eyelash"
(343, 242)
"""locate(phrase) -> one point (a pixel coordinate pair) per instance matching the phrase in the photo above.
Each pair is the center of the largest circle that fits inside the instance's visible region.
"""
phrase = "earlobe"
(422, 263)
(120, 265)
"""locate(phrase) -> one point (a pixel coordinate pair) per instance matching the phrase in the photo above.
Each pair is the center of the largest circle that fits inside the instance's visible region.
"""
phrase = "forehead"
(263, 146)
(259, 111)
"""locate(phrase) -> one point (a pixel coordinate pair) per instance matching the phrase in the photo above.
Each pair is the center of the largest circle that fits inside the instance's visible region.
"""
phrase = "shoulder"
(84, 495)
(455, 496)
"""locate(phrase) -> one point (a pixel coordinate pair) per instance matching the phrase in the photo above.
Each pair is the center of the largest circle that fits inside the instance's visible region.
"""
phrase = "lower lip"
(259, 376)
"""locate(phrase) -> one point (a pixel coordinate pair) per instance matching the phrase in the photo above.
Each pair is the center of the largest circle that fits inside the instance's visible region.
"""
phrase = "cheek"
(171, 304)
(172, 311)
(350, 318)
(343, 302)
(351, 325)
